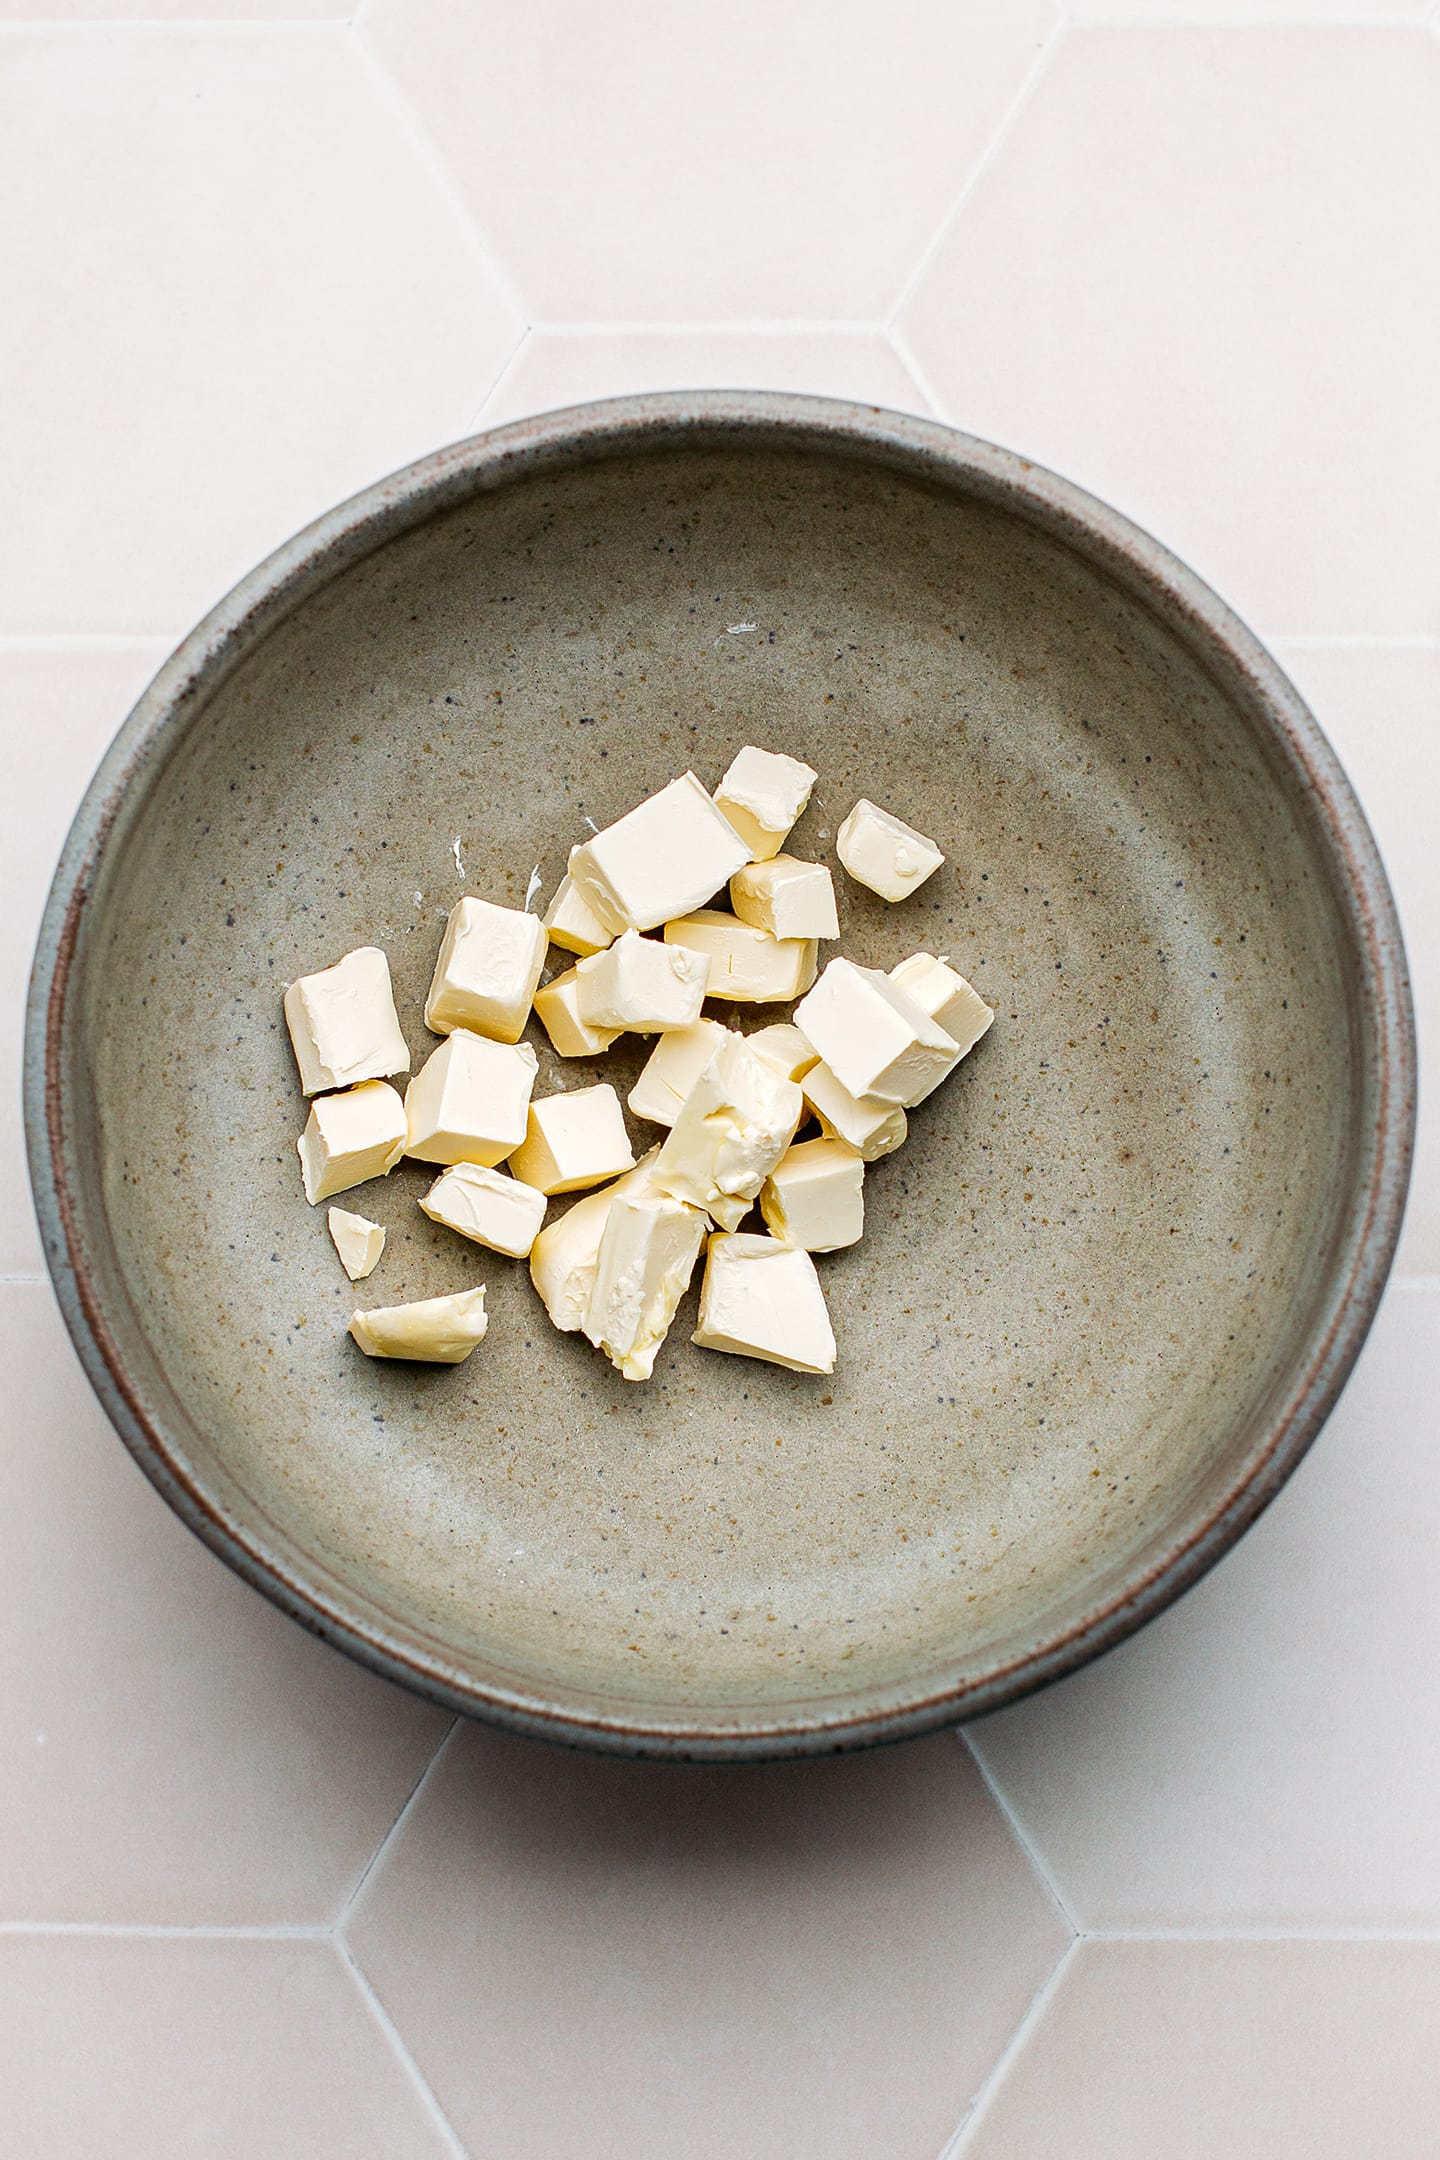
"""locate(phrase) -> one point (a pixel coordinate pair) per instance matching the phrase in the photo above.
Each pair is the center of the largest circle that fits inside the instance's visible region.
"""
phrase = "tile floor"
(254, 1903)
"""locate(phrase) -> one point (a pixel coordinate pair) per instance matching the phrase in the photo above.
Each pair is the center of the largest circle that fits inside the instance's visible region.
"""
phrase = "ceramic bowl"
(1109, 1290)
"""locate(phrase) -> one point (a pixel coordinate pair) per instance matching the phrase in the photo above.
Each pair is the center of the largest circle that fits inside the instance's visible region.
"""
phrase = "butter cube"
(432, 1331)
(789, 898)
(640, 984)
(571, 923)
(815, 1196)
(762, 795)
(350, 1138)
(647, 1254)
(469, 1100)
(488, 1207)
(489, 963)
(672, 1069)
(872, 1128)
(950, 1001)
(784, 1047)
(574, 1140)
(874, 1038)
(666, 856)
(563, 1257)
(557, 1008)
(342, 1023)
(747, 966)
(885, 853)
(358, 1241)
(736, 1123)
(762, 1299)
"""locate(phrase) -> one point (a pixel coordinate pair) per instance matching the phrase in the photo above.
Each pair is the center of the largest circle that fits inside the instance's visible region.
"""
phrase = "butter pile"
(861, 1049)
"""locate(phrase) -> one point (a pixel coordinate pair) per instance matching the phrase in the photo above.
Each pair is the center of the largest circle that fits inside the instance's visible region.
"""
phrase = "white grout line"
(729, 326)
(1000, 2068)
(905, 353)
(924, 391)
(423, 143)
(1054, 38)
(475, 418)
(1018, 1831)
(406, 1809)
(126, 1931)
(391, 2033)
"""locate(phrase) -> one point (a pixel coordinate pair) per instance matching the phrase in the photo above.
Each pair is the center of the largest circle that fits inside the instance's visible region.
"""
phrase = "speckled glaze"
(1107, 1293)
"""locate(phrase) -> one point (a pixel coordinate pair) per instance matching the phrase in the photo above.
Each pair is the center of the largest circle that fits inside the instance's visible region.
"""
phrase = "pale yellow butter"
(469, 1100)
(574, 1140)
(431, 1331)
(761, 1299)
(350, 1138)
(342, 1023)
(489, 963)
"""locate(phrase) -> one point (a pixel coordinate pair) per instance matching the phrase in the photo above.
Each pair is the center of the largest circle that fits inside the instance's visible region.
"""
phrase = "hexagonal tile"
(585, 1955)
(1253, 2050)
(171, 1748)
(203, 2049)
(239, 295)
(1381, 710)
(559, 367)
(1172, 285)
(72, 702)
(1267, 1754)
(790, 163)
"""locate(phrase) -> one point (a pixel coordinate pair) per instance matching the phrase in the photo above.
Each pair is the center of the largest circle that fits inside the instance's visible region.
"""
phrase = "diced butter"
(350, 1138)
(574, 1140)
(785, 1048)
(647, 1254)
(358, 1241)
(557, 1008)
(872, 1128)
(736, 1123)
(563, 1257)
(815, 1196)
(874, 1038)
(762, 1299)
(789, 898)
(762, 795)
(469, 1100)
(342, 1023)
(667, 855)
(885, 853)
(951, 1002)
(571, 923)
(673, 1067)
(641, 984)
(487, 1206)
(747, 966)
(489, 963)
(432, 1331)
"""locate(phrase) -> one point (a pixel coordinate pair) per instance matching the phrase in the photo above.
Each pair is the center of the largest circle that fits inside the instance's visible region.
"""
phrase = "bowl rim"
(928, 450)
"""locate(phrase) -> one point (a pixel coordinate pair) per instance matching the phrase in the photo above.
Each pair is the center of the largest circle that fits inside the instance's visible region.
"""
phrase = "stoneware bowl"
(1107, 1293)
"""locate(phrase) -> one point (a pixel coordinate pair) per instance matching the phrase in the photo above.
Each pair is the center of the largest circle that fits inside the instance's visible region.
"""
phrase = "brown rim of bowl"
(927, 451)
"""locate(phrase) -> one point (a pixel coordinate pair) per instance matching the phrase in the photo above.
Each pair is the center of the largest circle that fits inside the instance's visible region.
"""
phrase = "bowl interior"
(1082, 1277)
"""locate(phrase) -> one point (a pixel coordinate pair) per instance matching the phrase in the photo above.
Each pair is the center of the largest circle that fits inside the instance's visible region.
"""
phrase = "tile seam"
(999, 136)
